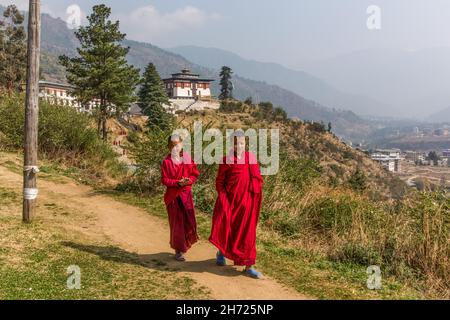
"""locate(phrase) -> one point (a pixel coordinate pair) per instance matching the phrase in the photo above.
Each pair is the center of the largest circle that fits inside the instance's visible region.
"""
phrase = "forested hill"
(57, 39)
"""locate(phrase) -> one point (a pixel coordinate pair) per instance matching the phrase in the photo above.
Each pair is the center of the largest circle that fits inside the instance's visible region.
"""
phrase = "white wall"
(180, 92)
(204, 92)
(187, 92)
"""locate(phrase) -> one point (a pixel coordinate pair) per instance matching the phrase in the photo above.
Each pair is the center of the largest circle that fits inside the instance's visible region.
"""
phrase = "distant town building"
(186, 85)
(389, 159)
(394, 153)
(441, 132)
(415, 156)
(446, 153)
(443, 162)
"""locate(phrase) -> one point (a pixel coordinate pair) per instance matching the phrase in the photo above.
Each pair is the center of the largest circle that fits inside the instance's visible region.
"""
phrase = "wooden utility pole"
(31, 112)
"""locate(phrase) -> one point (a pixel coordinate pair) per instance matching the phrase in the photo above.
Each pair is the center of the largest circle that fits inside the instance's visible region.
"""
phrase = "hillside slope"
(338, 161)
(57, 39)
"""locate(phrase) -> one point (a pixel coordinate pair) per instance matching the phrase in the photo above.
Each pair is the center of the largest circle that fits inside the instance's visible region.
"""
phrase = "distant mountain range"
(299, 82)
(57, 39)
(410, 83)
(387, 83)
(440, 116)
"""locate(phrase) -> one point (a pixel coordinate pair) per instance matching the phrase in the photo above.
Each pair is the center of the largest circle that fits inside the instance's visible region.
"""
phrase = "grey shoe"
(180, 257)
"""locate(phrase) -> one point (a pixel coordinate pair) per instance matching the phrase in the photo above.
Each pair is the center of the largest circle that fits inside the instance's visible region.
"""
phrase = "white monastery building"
(186, 85)
(60, 94)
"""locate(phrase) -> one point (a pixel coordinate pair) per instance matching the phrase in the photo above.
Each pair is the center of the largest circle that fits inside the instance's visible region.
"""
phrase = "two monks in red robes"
(237, 209)
(178, 174)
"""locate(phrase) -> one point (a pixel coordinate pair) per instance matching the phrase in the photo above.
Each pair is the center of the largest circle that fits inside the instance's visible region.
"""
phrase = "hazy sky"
(284, 31)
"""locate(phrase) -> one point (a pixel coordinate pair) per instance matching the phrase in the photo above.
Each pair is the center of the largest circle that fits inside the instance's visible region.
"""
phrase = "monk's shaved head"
(173, 138)
(237, 140)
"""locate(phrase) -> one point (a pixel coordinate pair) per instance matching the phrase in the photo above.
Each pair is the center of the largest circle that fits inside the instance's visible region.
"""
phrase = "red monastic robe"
(237, 210)
(179, 202)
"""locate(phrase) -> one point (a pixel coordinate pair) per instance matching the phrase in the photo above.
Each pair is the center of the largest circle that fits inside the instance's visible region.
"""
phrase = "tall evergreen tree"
(152, 96)
(226, 86)
(100, 71)
(13, 50)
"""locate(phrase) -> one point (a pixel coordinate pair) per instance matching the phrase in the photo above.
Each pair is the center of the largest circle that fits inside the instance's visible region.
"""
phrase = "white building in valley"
(388, 159)
(446, 153)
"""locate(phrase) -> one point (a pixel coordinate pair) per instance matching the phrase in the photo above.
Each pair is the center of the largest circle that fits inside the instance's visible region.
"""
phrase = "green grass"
(317, 276)
(7, 196)
(34, 259)
(12, 166)
(105, 274)
(49, 171)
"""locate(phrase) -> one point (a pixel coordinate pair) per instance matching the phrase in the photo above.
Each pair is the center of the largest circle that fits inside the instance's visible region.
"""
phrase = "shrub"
(359, 254)
(64, 135)
(230, 106)
(249, 101)
(299, 172)
(148, 151)
(358, 181)
(331, 214)
(204, 197)
(316, 127)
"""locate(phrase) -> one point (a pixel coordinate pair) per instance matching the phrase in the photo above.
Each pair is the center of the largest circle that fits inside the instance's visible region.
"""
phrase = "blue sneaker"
(253, 273)
(220, 259)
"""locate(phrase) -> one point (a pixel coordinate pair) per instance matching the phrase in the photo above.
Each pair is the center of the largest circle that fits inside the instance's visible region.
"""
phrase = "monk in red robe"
(178, 174)
(237, 209)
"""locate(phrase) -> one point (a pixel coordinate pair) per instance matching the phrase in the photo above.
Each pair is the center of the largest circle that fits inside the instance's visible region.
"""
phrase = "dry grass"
(409, 239)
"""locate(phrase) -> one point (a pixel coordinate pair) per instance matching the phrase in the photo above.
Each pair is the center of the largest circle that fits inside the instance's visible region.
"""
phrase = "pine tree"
(101, 72)
(13, 50)
(226, 86)
(152, 97)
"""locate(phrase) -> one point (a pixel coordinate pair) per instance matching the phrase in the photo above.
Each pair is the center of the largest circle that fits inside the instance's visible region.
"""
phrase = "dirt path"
(136, 231)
